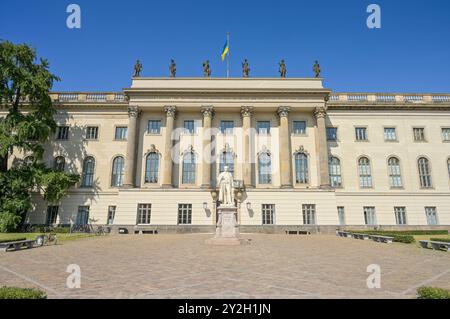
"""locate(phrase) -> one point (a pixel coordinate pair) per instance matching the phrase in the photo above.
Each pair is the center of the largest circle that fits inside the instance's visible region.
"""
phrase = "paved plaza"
(182, 266)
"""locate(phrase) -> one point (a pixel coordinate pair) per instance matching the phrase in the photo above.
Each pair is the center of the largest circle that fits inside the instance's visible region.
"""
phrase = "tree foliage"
(26, 122)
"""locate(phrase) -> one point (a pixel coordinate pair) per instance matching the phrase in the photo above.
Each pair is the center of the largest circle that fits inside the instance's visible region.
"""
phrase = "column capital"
(133, 111)
(170, 110)
(207, 110)
(320, 112)
(246, 111)
(283, 111)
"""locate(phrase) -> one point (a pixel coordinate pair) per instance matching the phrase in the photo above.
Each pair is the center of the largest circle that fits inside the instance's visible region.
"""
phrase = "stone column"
(246, 112)
(285, 147)
(321, 143)
(168, 144)
(208, 112)
(130, 161)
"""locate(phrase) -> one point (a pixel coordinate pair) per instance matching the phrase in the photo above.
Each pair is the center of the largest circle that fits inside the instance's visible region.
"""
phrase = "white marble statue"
(226, 193)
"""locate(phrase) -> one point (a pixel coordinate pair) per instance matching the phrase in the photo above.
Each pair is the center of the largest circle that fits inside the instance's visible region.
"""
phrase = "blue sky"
(410, 53)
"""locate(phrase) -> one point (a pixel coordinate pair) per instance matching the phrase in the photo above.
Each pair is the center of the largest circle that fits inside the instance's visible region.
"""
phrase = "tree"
(25, 84)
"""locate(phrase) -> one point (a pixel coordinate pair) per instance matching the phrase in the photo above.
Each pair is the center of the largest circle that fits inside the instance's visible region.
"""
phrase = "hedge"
(12, 239)
(21, 293)
(443, 240)
(433, 293)
(399, 237)
(47, 229)
(404, 232)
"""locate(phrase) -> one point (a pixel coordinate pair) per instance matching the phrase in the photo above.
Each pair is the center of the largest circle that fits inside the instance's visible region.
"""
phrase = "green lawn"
(29, 236)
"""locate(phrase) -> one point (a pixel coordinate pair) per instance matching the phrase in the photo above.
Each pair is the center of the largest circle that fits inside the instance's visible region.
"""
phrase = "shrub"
(433, 293)
(443, 240)
(8, 222)
(399, 237)
(21, 293)
(12, 239)
(48, 229)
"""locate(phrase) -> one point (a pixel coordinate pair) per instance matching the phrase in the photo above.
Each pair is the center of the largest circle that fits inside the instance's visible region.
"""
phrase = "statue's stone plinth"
(227, 229)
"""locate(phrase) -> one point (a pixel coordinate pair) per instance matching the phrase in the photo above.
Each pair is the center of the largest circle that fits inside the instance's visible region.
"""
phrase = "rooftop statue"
(137, 69)
(282, 69)
(173, 68)
(206, 69)
(317, 69)
(245, 69)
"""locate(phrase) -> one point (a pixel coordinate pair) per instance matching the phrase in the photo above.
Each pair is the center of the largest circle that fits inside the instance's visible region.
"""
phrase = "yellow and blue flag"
(225, 50)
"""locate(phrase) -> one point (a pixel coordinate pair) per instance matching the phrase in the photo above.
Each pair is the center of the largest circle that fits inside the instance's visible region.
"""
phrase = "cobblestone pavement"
(182, 266)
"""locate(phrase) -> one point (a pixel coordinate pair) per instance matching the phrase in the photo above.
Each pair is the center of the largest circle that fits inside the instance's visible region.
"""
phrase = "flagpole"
(228, 58)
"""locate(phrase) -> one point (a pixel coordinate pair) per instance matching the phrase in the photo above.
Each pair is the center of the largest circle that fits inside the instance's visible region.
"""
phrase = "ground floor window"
(400, 215)
(111, 215)
(184, 214)
(369, 215)
(52, 215)
(431, 215)
(83, 215)
(309, 214)
(144, 214)
(268, 214)
(341, 215)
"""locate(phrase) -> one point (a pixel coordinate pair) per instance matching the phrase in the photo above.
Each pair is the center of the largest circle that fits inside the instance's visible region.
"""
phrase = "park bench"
(297, 232)
(343, 234)
(361, 236)
(436, 245)
(16, 245)
(382, 239)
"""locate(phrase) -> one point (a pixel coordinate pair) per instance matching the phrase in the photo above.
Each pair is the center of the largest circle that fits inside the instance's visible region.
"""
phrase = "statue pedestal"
(227, 229)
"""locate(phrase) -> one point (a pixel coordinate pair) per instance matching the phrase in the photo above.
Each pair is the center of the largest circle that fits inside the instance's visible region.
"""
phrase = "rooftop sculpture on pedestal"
(317, 69)
(245, 69)
(137, 69)
(173, 68)
(206, 69)
(282, 69)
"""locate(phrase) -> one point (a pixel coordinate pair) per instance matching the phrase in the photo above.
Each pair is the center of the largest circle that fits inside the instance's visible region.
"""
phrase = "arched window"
(152, 168)
(226, 159)
(448, 167)
(334, 165)
(365, 174)
(118, 171)
(60, 163)
(264, 168)
(87, 177)
(395, 175)
(301, 168)
(424, 173)
(189, 168)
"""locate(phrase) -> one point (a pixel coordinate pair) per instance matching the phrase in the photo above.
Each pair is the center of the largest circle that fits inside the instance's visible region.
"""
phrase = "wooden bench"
(343, 234)
(382, 239)
(361, 236)
(436, 245)
(297, 232)
(16, 245)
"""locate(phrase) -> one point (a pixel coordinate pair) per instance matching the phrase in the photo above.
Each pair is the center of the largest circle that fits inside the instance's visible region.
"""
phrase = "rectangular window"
(83, 215)
(268, 214)
(92, 132)
(341, 215)
(331, 134)
(446, 134)
(400, 215)
(52, 215)
(189, 127)
(419, 134)
(111, 215)
(121, 133)
(390, 134)
(431, 214)
(369, 215)
(154, 127)
(263, 127)
(62, 133)
(299, 127)
(226, 127)
(309, 214)
(144, 214)
(361, 133)
(184, 214)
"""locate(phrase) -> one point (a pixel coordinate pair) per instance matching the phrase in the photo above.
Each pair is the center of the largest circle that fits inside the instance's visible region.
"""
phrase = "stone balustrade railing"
(88, 97)
(388, 98)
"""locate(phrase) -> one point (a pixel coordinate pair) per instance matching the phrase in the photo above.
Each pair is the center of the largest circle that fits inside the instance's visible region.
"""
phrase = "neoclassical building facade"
(302, 156)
